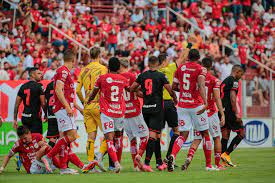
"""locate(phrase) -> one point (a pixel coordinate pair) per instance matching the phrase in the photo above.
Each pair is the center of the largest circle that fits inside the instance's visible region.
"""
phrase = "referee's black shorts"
(52, 128)
(154, 121)
(33, 123)
(170, 114)
(231, 122)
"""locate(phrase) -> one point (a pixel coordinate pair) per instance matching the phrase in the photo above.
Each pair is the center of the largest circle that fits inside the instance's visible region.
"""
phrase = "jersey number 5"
(114, 93)
(186, 82)
(27, 92)
(149, 86)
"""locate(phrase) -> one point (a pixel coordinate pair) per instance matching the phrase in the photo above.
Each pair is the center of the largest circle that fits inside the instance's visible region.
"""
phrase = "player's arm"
(60, 95)
(93, 94)
(134, 87)
(216, 93)
(233, 100)
(43, 105)
(78, 107)
(78, 89)
(171, 92)
(16, 106)
(5, 163)
(201, 85)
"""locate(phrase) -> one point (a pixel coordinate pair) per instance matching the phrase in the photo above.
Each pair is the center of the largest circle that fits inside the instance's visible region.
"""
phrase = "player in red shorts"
(134, 123)
(213, 97)
(63, 108)
(31, 147)
(112, 106)
(189, 80)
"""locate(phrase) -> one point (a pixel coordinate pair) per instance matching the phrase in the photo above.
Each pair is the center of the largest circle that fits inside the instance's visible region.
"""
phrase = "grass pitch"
(254, 165)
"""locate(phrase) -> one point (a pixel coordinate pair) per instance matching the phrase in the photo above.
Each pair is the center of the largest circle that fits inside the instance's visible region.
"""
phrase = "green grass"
(254, 165)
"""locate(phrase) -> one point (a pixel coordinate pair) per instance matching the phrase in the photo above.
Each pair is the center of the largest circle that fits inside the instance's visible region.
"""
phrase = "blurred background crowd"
(137, 29)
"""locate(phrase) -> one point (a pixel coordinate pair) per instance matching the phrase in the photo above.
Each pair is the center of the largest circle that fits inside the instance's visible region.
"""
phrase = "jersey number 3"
(149, 86)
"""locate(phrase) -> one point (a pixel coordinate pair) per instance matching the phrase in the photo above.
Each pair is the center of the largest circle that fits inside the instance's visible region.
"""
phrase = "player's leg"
(193, 148)
(160, 165)
(52, 133)
(68, 127)
(118, 139)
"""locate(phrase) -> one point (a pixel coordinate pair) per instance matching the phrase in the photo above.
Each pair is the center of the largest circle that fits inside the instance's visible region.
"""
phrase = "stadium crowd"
(138, 30)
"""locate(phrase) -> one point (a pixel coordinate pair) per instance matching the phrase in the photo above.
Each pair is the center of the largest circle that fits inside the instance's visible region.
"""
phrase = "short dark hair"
(237, 67)
(114, 64)
(94, 52)
(153, 60)
(69, 55)
(22, 130)
(207, 62)
(162, 57)
(32, 69)
(194, 55)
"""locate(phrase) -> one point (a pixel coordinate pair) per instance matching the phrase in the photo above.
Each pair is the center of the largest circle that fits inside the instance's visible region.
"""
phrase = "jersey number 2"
(114, 93)
(149, 86)
(27, 92)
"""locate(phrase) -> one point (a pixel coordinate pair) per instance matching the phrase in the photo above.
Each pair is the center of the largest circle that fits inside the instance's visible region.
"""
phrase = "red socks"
(111, 150)
(133, 150)
(177, 145)
(61, 144)
(119, 147)
(217, 156)
(73, 158)
(207, 148)
(191, 153)
(63, 158)
(142, 145)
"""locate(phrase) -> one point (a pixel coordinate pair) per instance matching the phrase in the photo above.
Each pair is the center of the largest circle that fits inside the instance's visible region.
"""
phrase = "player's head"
(114, 64)
(163, 61)
(194, 55)
(69, 56)
(124, 64)
(24, 134)
(153, 62)
(207, 63)
(237, 71)
(95, 53)
(35, 74)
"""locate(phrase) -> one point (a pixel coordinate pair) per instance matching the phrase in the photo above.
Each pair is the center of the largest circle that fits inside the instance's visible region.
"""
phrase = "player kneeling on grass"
(213, 96)
(112, 106)
(134, 123)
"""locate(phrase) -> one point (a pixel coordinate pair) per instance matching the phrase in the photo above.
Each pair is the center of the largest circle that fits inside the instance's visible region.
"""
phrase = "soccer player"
(112, 105)
(31, 147)
(32, 95)
(233, 121)
(87, 78)
(189, 80)
(213, 97)
(152, 83)
(63, 107)
(52, 133)
(134, 123)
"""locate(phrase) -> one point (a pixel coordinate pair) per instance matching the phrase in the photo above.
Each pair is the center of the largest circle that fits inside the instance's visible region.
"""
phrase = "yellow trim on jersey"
(169, 71)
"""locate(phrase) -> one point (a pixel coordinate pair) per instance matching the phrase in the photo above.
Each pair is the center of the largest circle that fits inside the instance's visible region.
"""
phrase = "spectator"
(24, 75)
(225, 68)
(257, 7)
(28, 61)
(13, 58)
(3, 58)
(4, 40)
(10, 72)
(137, 16)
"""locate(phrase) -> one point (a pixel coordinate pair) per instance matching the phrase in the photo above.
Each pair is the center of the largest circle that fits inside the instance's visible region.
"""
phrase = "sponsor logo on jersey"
(186, 94)
(109, 80)
(149, 106)
(183, 68)
(256, 133)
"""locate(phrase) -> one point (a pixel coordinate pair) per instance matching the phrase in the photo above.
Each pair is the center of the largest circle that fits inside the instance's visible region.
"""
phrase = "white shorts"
(135, 127)
(214, 127)
(110, 124)
(65, 123)
(187, 117)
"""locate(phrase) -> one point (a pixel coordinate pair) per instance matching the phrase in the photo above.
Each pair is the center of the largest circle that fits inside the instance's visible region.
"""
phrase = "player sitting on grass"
(213, 96)
(31, 147)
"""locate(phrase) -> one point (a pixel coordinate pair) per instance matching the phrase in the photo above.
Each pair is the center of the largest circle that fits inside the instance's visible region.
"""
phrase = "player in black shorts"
(53, 132)
(152, 83)
(32, 95)
(233, 122)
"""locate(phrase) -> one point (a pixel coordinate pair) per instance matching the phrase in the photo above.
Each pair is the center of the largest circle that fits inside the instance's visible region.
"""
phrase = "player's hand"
(222, 120)
(69, 111)
(81, 111)
(202, 110)
(15, 124)
(1, 169)
(45, 119)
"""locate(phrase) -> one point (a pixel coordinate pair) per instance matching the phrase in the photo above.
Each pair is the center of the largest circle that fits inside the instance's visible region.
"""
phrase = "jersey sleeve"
(176, 76)
(235, 85)
(14, 149)
(98, 82)
(164, 79)
(217, 84)
(41, 89)
(202, 71)
(79, 86)
(139, 79)
(21, 92)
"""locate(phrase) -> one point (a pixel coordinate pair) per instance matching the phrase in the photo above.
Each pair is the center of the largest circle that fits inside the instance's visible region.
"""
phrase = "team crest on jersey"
(183, 68)
(235, 85)
(109, 80)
